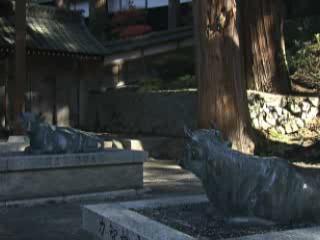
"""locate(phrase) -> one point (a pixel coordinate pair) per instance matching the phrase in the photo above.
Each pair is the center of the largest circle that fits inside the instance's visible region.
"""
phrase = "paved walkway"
(163, 177)
(63, 221)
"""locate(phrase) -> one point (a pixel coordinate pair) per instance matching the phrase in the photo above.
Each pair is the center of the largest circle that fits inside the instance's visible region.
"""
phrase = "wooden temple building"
(62, 58)
(66, 64)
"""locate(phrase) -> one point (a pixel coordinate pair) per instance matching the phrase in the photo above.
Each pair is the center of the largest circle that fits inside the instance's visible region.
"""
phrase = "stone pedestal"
(120, 221)
(40, 176)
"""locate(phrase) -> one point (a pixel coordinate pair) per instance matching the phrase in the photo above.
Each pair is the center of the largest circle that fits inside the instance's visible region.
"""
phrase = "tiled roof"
(52, 30)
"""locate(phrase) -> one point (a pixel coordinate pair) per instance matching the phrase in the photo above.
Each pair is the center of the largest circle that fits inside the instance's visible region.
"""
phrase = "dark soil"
(199, 221)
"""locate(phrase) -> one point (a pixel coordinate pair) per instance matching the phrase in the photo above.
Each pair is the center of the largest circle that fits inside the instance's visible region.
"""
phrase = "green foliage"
(302, 47)
(300, 31)
(156, 84)
(304, 64)
(185, 81)
(170, 71)
(150, 85)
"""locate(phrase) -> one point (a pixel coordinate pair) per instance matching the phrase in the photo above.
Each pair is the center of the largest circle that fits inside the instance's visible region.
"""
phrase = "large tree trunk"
(20, 82)
(264, 48)
(98, 17)
(222, 89)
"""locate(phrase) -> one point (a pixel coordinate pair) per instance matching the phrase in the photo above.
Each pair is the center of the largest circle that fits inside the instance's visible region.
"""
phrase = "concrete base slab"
(116, 221)
(44, 176)
(119, 221)
(298, 234)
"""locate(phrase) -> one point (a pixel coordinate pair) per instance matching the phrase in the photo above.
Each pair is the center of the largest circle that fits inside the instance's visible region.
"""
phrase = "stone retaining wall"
(151, 113)
(165, 113)
(283, 114)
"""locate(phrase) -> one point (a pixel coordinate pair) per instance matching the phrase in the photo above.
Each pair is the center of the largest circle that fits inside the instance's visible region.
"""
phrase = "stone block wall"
(152, 113)
(281, 113)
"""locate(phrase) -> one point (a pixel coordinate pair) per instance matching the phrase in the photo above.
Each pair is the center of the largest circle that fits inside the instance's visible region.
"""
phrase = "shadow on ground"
(63, 221)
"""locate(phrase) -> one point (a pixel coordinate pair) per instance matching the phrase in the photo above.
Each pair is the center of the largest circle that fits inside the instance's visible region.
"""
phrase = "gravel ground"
(199, 221)
(50, 222)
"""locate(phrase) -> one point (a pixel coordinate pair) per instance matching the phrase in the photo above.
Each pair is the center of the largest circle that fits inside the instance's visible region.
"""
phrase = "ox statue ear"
(228, 144)
(187, 131)
(21, 116)
(212, 125)
(40, 117)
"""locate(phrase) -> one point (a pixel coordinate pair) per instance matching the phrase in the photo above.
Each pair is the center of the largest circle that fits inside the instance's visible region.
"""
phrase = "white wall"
(83, 6)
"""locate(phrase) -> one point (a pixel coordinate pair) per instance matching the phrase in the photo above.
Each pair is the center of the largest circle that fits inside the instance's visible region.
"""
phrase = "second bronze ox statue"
(243, 185)
(50, 139)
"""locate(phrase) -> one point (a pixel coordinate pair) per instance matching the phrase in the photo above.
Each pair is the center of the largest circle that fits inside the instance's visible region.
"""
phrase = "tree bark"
(20, 81)
(221, 84)
(98, 17)
(264, 47)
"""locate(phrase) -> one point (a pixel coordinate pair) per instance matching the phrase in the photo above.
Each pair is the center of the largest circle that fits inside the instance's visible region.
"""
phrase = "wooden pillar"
(28, 101)
(79, 73)
(55, 102)
(10, 91)
(6, 99)
(117, 73)
(173, 14)
(83, 93)
(19, 85)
